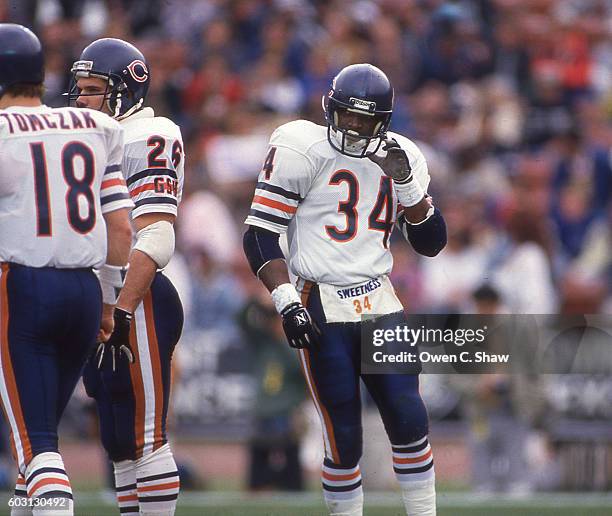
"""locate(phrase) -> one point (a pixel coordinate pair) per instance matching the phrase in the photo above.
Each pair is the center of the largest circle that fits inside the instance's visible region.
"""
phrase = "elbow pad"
(157, 242)
(261, 246)
(428, 237)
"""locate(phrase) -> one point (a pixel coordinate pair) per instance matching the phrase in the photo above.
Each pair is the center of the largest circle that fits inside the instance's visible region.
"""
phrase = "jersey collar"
(146, 112)
(26, 108)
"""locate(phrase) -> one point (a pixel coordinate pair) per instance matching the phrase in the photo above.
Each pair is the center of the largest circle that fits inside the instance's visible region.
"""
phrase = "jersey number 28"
(77, 188)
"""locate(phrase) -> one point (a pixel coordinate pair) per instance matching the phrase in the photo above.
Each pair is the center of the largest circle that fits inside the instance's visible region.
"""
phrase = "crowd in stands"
(510, 100)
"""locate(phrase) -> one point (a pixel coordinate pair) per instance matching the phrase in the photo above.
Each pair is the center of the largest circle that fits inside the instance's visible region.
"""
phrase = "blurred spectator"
(459, 268)
(455, 48)
(582, 188)
(503, 406)
(216, 296)
(274, 446)
(520, 267)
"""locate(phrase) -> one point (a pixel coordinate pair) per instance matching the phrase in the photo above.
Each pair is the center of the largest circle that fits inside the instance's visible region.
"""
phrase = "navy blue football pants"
(49, 322)
(132, 402)
(333, 372)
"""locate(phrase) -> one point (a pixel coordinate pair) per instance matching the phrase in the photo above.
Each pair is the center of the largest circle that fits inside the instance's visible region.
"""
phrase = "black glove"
(119, 342)
(395, 164)
(299, 327)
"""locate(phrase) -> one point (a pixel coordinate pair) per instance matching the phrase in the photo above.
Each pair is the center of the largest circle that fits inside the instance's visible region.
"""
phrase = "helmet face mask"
(354, 133)
(110, 96)
(358, 110)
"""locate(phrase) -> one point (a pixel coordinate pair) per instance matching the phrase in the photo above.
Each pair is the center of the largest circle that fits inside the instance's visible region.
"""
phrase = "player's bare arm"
(153, 249)
(274, 273)
(142, 266)
(119, 242)
(266, 259)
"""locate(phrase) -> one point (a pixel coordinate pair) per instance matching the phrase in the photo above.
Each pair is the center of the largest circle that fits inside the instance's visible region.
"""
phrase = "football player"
(64, 210)
(132, 388)
(335, 192)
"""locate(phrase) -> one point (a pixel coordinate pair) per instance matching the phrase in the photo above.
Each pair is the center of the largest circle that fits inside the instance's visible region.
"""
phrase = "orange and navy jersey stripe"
(113, 190)
(273, 207)
(155, 190)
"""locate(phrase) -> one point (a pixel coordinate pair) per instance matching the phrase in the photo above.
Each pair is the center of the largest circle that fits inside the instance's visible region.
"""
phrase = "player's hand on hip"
(300, 329)
(395, 163)
(117, 347)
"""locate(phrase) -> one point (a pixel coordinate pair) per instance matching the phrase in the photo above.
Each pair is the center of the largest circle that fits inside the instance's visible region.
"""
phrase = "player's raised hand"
(117, 347)
(395, 163)
(299, 327)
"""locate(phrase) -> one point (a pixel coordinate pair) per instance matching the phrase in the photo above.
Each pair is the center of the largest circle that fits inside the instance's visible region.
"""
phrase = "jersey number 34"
(384, 201)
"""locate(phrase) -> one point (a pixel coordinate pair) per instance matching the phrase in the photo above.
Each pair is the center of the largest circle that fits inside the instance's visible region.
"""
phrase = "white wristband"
(111, 280)
(284, 295)
(410, 193)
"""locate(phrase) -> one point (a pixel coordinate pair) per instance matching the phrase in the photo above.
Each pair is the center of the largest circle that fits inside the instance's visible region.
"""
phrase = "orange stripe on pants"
(139, 396)
(326, 419)
(9, 376)
(156, 366)
(306, 292)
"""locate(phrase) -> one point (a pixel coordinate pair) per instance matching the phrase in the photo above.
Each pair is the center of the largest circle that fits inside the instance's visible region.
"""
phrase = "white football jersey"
(153, 162)
(60, 171)
(338, 211)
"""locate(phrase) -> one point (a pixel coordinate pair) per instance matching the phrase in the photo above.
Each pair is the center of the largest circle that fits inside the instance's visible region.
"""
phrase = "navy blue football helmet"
(122, 66)
(21, 57)
(365, 90)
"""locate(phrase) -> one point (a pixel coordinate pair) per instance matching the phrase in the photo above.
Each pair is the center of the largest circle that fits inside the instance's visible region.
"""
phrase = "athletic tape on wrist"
(111, 279)
(284, 295)
(410, 193)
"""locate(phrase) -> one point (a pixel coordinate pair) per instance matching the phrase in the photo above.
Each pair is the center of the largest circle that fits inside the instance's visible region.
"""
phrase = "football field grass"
(377, 504)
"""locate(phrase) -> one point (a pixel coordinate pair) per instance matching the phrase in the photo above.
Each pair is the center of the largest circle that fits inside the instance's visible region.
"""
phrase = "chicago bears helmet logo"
(138, 70)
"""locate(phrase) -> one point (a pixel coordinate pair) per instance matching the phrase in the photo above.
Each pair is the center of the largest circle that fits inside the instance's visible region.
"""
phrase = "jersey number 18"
(77, 188)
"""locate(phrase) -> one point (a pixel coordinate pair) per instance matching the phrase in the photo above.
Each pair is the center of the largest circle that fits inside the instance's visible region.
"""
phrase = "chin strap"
(131, 111)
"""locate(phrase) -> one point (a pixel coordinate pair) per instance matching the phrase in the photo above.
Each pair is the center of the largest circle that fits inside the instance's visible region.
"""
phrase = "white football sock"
(157, 482)
(342, 490)
(46, 478)
(125, 487)
(414, 469)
